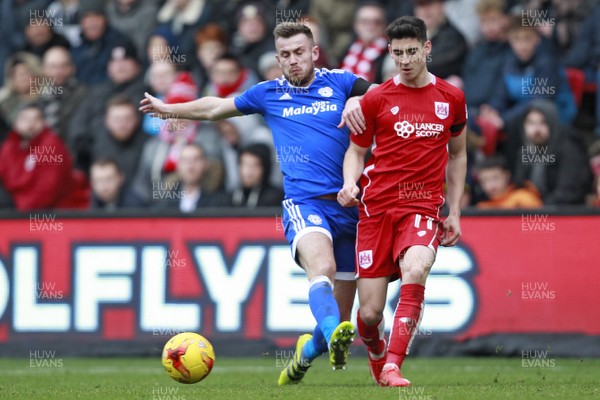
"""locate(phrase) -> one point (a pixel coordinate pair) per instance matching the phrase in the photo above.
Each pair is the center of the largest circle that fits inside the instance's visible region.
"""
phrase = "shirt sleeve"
(360, 87)
(368, 106)
(344, 79)
(460, 115)
(252, 101)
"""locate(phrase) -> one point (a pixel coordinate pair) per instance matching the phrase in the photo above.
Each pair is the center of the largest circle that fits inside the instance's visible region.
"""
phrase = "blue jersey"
(310, 147)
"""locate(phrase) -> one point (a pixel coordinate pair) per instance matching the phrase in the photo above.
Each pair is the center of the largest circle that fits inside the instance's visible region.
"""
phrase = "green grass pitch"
(255, 378)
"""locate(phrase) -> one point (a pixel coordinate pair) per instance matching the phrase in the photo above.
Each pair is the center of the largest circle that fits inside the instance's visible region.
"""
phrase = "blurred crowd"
(71, 135)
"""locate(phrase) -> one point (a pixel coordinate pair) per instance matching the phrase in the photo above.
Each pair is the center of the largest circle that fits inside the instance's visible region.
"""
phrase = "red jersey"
(38, 174)
(409, 129)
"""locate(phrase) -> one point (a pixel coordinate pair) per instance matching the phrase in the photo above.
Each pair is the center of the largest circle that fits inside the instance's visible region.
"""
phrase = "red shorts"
(382, 240)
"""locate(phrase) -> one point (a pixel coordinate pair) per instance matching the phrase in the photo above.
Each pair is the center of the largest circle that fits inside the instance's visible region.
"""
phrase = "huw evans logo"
(537, 359)
(315, 108)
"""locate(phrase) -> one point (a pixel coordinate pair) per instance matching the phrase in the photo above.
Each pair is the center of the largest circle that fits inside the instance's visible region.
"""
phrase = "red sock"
(372, 336)
(406, 320)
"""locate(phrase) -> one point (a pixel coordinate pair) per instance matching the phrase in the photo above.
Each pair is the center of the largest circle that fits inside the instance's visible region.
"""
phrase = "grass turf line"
(256, 378)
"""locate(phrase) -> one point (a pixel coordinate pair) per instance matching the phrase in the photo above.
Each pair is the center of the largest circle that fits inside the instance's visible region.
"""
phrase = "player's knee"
(370, 315)
(415, 272)
(323, 268)
(415, 269)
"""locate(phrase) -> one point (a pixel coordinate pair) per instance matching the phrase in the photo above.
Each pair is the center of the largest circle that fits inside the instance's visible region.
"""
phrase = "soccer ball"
(188, 357)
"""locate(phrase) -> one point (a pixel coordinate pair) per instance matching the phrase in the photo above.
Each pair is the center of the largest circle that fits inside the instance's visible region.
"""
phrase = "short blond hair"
(288, 29)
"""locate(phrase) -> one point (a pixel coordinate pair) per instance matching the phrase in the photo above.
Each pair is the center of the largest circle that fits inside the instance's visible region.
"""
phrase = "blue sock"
(316, 346)
(323, 306)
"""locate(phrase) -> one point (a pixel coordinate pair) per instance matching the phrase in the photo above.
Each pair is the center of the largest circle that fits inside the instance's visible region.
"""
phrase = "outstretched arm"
(204, 108)
(354, 163)
(456, 172)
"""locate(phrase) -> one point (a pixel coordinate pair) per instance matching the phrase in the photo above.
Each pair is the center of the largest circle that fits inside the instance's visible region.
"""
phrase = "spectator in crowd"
(288, 10)
(484, 64)
(161, 153)
(253, 37)
(62, 93)
(64, 15)
(585, 55)
(254, 189)
(23, 83)
(122, 137)
(98, 42)
(160, 46)
(35, 166)
(126, 79)
(186, 192)
(324, 60)
(14, 17)
(182, 18)
(211, 43)
(495, 181)
(593, 199)
(365, 55)
(449, 47)
(134, 18)
(562, 23)
(335, 18)
(161, 76)
(268, 67)
(552, 160)
(238, 133)
(530, 71)
(108, 186)
(229, 77)
(39, 36)
(463, 15)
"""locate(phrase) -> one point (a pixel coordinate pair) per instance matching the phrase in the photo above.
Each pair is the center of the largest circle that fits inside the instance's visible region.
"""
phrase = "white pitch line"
(112, 370)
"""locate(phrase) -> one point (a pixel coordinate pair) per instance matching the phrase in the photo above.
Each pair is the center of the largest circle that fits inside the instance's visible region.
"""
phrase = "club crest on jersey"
(29, 164)
(365, 258)
(326, 91)
(441, 109)
(394, 110)
(315, 219)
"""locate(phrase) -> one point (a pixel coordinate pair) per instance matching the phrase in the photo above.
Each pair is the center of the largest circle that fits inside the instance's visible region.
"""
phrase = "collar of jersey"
(432, 76)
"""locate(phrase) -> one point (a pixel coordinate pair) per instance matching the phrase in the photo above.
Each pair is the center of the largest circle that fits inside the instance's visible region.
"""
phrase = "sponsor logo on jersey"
(365, 258)
(285, 96)
(326, 91)
(395, 110)
(315, 219)
(441, 109)
(405, 129)
(314, 108)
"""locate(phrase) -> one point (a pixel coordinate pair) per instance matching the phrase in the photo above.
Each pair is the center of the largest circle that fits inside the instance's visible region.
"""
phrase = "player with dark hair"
(415, 122)
(304, 109)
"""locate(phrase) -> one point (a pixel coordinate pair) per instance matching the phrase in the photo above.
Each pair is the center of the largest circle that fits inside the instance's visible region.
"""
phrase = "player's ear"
(390, 49)
(427, 47)
(315, 53)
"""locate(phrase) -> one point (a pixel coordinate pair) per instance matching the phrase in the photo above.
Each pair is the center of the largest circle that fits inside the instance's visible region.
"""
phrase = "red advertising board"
(131, 280)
